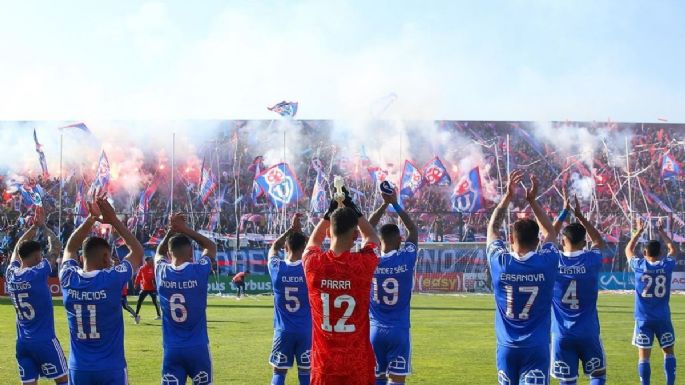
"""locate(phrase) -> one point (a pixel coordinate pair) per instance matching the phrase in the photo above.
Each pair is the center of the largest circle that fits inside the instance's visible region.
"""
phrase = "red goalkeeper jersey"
(339, 288)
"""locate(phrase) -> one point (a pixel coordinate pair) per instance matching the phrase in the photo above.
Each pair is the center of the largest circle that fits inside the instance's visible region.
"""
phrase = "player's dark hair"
(575, 233)
(343, 220)
(296, 242)
(389, 231)
(179, 241)
(93, 245)
(526, 232)
(653, 248)
(26, 248)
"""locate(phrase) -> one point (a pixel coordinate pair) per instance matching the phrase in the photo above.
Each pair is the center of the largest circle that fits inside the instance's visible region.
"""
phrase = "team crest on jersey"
(169, 379)
(561, 369)
(410, 248)
(502, 378)
(534, 377)
(121, 268)
(201, 378)
(203, 261)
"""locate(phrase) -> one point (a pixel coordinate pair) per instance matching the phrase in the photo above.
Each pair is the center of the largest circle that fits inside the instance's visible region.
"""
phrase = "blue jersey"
(575, 294)
(523, 294)
(652, 288)
(183, 299)
(291, 302)
(391, 289)
(92, 300)
(28, 288)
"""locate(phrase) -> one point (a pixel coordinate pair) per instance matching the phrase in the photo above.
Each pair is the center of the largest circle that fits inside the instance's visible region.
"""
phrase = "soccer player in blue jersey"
(182, 287)
(292, 314)
(523, 281)
(391, 295)
(38, 352)
(92, 299)
(575, 323)
(652, 294)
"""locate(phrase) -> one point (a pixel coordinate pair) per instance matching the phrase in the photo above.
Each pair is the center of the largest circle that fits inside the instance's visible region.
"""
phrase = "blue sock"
(381, 381)
(278, 379)
(568, 382)
(644, 371)
(601, 380)
(669, 367)
(303, 376)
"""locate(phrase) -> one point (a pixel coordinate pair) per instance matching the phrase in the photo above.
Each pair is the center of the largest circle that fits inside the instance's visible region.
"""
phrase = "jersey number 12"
(340, 326)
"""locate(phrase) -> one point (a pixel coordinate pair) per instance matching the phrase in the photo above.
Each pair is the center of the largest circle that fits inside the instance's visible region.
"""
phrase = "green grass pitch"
(453, 341)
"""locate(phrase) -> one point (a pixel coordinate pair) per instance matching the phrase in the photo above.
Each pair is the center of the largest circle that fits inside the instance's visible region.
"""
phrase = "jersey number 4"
(340, 326)
(524, 315)
(570, 298)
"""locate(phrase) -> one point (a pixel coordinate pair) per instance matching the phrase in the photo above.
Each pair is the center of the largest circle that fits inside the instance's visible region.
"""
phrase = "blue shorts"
(392, 347)
(523, 366)
(566, 352)
(40, 359)
(289, 347)
(643, 336)
(98, 377)
(180, 363)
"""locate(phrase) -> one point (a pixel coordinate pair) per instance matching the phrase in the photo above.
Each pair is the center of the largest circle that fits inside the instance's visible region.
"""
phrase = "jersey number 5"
(24, 309)
(340, 326)
(524, 315)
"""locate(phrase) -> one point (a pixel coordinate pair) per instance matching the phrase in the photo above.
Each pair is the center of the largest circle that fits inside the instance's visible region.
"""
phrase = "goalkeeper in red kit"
(339, 283)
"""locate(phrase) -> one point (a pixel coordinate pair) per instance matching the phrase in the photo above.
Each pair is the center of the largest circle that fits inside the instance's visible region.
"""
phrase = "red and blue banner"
(285, 109)
(378, 175)
(208, 185)
(144, 201)
(31, 195)
(319, 203)
(80, 208)
(41, 155)
(411, 180)
(468, 194)
(670, 168)
(435, 173)
(101, 181)
(280, 185)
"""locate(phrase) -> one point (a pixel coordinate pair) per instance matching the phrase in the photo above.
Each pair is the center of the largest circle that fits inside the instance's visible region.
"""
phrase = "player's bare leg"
(669, 365)
(395, 379)
(381, 379)
(643, 368)
(62, 380)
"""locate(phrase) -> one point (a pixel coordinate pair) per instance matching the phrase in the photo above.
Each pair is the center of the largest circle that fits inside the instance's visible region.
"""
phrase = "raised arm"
(672, 250)
(319, 234)
(378, 214)
(563, 215)
(630, 247)
(179, 225)
(412, 230)
(136, 252)
(163, 247)
(54, 244)
(498, 214)
(546, 226)
(368, 232)
(592, 232)
(295, 227)
(38, 222)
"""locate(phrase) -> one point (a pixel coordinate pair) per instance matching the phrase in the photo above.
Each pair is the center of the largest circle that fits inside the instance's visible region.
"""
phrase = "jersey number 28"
(659, 286)
(340, 326)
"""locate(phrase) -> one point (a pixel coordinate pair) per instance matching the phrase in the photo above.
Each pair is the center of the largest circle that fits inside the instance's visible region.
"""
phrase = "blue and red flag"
(144, 201)
(78, 126)
(378, 175)
(411, 180)
(101, 181)
(670, 168)
(257, 166)
(468, 194)
(80, 208)
(285, 109)
(435, 173)
(208, 185)
(280, 184)
(41, 155)
(319, 203)
(31, 195)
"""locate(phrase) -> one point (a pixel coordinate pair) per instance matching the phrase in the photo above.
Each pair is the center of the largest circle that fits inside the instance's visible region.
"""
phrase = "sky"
(466, 60)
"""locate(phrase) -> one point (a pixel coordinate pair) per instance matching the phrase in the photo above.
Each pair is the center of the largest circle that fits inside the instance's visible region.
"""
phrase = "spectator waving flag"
(670, 168)
(41, 155)
(435, 173)
(319, 203)
(32, 196)
(101, 181)
(468, 194)
(257, 166)
(378, 175)
(285, 109)
(411, 180)
(144, 202)
(280, 184)
(208, 185)
(76, 126)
